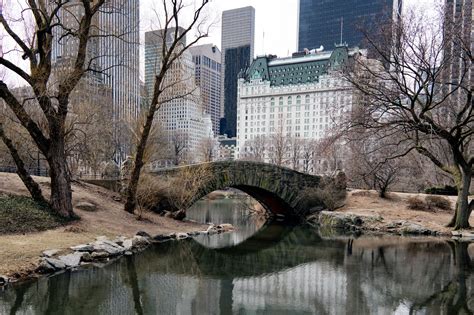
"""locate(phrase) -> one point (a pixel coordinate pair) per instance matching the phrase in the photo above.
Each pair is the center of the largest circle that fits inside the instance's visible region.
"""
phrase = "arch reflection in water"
(236, 211)
(298, 273)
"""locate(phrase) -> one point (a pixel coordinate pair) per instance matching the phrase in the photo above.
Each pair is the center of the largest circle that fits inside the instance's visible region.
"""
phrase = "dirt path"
(20, 253)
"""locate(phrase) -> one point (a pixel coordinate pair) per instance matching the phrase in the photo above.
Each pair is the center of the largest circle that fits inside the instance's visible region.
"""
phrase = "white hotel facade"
(299, 97)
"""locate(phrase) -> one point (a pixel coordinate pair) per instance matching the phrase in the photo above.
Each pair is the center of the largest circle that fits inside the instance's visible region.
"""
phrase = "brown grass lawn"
(395, 208)
(21, 252)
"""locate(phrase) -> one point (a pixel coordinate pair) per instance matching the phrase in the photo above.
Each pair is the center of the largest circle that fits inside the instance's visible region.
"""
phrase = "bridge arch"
(278, 189)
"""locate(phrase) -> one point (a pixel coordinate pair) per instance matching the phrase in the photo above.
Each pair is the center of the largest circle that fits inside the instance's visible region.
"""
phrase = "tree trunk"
(131, 202)
(27, 180)
(463, 209)
(61, 194)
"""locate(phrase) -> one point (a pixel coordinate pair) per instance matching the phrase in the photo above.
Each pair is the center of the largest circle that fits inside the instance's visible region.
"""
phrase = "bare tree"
(296, 152)
(185, 185)
(422, 93)
(89, 138)
(308, 155)
(179, 146)
(256, 149)
(278, 147)
(54, 105)
(208, 149)
(22, 171)
(368, 166)
(172, 49)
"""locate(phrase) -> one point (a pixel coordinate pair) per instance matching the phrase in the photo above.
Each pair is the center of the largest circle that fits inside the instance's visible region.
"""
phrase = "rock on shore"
(350, 222)
(104, 249)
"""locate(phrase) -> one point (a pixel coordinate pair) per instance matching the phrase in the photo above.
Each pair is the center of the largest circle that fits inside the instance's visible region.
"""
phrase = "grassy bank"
(20, 214)
(28, 229)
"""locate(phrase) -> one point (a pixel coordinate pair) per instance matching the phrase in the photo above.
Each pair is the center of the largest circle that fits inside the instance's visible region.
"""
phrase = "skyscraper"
(459, 16)
(153, 47)
(182, 116)
(207, 59)
(112, 54)
(238, 35)
(331, 22)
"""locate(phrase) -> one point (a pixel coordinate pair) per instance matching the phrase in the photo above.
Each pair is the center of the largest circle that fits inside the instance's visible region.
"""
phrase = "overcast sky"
(276, 18)
(276, 21)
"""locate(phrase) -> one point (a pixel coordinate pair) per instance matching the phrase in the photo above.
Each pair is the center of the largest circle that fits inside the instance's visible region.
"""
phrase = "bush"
(327, 195)
(438, 202)
(153, 195)
(416, 203)
(446, 191)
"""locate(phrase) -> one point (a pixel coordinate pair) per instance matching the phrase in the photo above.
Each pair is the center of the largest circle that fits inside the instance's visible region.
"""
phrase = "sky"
(275, 23)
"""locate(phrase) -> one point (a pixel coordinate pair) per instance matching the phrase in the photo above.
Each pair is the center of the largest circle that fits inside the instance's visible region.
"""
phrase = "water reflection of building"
(297, 274)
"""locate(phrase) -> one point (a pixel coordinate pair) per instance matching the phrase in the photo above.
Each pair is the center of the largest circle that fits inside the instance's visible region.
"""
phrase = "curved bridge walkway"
(279, 189)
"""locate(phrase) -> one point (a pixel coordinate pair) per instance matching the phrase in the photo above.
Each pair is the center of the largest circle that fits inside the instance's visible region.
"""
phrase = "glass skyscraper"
(321, 21)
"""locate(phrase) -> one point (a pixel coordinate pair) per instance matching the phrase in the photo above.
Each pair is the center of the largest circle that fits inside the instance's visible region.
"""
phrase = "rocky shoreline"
(102, 251)
(346, 222)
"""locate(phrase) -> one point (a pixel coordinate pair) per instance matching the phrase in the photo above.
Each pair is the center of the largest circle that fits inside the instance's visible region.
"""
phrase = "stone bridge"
(280, 190)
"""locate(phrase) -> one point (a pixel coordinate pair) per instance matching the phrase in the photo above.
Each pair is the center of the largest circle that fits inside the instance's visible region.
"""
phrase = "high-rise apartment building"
(331, 22)
(207, 60)
(182, 117)
(238, 35)
(113, 54)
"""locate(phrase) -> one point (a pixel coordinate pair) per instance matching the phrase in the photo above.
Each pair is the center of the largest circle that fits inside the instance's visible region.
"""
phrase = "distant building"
(181, 116)
(459, 16)
(298, 98)
(320, 21)
(113, 55)
(207, 60)
(153, 47)
(238, 35)
(227, 148)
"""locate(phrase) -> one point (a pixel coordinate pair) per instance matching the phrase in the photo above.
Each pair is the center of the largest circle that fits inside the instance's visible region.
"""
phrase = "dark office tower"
(238, 33)
(320, 21)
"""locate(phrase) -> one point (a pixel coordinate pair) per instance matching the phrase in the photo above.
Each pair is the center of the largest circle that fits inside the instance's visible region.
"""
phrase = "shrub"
(416, 203)
(327, 195)
(446, 191)
(153, 194)
(438, 202)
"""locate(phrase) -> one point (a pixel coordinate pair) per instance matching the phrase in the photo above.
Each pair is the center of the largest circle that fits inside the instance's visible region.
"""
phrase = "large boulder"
(71, 260)
(50, 252)
(53, 263)
(83, 248)
(86, 206)
(414, 229)
(108, 247)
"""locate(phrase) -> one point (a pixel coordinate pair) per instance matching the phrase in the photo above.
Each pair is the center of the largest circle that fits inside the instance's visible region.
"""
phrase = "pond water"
(276, 270)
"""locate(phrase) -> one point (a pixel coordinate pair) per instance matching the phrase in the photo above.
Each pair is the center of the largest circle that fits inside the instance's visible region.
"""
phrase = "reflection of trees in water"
(278, 269)
(391, 275)
(454, 297)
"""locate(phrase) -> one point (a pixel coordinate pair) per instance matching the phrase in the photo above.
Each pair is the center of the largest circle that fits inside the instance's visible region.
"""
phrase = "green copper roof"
(296, 70)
